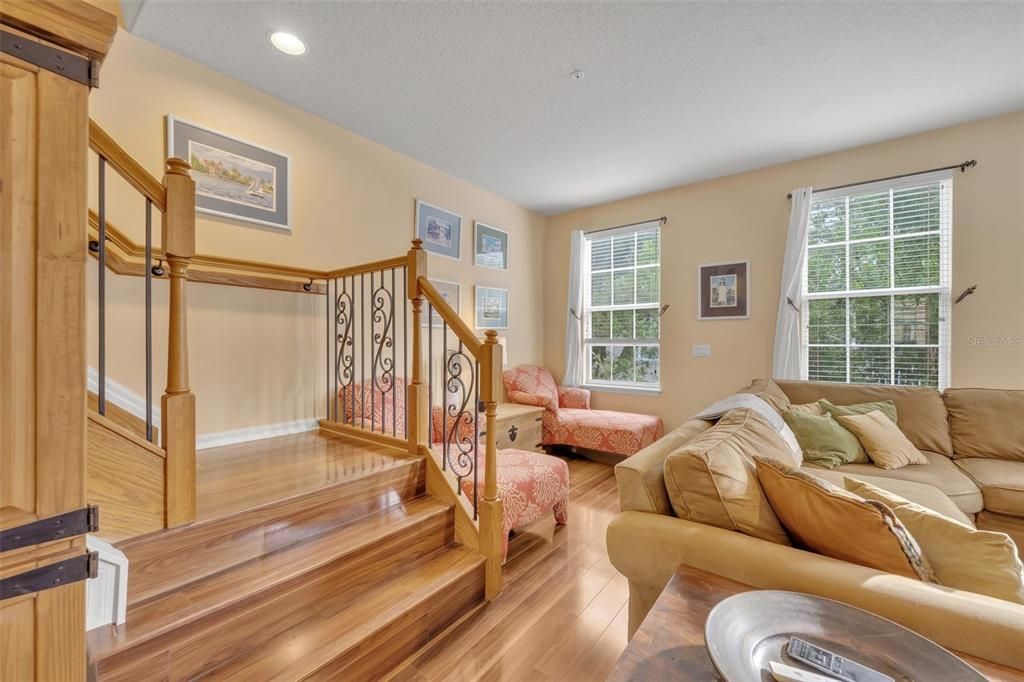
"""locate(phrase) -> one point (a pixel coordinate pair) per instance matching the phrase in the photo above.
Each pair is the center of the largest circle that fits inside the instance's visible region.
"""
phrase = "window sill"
(631, 390)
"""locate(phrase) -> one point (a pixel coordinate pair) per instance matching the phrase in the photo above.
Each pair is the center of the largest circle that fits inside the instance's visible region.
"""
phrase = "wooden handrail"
(127, 167)
(364, 268)
(457, 324)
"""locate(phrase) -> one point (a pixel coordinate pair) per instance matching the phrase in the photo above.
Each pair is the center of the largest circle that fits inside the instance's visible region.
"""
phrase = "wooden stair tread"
(185, 604)
(172, 558)
(341, 630)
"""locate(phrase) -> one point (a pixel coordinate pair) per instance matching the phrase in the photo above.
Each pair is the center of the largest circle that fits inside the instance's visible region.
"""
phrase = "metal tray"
(748, 630)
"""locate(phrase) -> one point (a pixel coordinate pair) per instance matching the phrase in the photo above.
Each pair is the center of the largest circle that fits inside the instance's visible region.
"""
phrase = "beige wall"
(745, 216)
(257, 356)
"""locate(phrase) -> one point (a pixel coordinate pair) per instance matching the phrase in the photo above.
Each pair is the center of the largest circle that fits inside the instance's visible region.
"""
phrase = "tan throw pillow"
(887, 407)
(814, 409)
(768, 391)
(979, 561)
(831, 521)
(711, 479)
(885, 444)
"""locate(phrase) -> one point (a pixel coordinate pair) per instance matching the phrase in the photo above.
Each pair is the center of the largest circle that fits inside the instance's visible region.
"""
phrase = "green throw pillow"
(886, 407)
(824, 441)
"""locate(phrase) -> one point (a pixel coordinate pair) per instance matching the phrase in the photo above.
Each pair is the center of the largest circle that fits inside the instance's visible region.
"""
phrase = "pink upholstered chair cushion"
(530, 485)
(621, 433)
(374, 400)
(531, 385)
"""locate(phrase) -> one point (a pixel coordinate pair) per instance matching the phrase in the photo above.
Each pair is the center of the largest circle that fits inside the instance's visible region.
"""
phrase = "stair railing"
(174, 198)
(403, 369)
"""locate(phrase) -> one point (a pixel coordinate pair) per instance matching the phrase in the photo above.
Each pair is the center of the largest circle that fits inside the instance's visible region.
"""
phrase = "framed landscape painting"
(491, 247)
(724, 291)
(440, 230)
(450, 293)
(234, 179)
(491, 308)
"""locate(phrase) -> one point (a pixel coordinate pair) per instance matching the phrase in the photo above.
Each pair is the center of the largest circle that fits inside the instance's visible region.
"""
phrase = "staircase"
(343, 582)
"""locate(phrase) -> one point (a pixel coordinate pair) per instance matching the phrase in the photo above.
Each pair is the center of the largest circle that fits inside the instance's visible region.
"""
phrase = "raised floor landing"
(233, 478)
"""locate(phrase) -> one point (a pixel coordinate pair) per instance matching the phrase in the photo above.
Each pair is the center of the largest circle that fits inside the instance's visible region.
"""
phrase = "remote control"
(833, 664)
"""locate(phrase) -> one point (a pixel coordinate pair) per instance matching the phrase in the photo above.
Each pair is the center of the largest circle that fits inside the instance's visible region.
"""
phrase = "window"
(621, 301)
(877, 283)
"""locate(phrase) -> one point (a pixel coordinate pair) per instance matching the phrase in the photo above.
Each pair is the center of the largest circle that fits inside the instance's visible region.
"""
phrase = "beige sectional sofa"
(974, 442)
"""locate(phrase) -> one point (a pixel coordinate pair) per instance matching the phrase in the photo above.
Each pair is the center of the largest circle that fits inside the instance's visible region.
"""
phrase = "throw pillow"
(885, 444)
(769, 391)
(814, 408)
(824, 441)
(711, 479)
(886, 407)
(979, 561)
(828, 520)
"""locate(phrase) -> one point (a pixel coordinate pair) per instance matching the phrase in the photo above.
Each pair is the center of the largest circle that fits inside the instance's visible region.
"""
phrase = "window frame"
(588, 341)
(942, 289)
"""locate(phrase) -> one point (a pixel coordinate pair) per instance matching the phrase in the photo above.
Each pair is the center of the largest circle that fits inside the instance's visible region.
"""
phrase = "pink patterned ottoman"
(529, 485)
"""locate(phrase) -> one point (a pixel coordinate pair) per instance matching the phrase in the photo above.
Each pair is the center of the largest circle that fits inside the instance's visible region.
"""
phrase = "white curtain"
(574, 311)
(787, 357)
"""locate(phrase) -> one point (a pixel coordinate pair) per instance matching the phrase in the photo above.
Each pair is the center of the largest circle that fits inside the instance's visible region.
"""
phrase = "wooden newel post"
(490, 505)
(416, 395)
(178, 405)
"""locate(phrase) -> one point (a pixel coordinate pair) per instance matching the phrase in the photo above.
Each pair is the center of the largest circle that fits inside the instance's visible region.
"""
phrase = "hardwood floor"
(233, 478)
(563, 613)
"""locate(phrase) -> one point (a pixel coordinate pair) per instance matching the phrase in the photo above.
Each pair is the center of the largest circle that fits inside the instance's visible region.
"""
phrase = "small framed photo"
(450, 293)
(440, 230)
(491, 308)
(234, 179)
(491, 246)
(724, 291)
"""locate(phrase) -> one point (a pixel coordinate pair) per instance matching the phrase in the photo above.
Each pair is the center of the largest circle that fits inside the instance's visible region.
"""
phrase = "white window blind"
(877, 283)
(621, 299)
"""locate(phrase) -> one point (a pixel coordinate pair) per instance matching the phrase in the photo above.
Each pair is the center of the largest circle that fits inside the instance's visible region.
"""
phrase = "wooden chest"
(519, 427)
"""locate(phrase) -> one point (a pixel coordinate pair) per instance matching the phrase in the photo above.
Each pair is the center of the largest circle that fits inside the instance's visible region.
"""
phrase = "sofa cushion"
(768, 391)
(831, 521)
(1001, 483)
(940, 472)
(823, 440)
(978, 561)
(712, 480)
(885, 444)
(927, 496)
(922, 412)
(986, 422)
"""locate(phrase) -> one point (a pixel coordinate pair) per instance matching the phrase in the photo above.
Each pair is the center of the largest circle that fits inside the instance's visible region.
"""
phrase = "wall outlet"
(701, 351)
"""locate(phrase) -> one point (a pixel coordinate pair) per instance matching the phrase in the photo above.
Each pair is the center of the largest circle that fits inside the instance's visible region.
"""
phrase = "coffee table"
(670, 642)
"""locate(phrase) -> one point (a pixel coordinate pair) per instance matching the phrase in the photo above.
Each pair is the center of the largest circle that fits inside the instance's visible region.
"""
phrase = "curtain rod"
(661, 220)
(962, 166)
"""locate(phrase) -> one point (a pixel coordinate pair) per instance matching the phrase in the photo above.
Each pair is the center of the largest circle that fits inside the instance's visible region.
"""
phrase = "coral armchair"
(568, 419)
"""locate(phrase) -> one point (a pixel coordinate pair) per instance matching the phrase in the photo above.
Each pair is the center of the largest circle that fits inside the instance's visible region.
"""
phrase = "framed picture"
(450, 293)
(491, 308)
(724, 291)
(234, 179)
(491, 247)
(440, 230)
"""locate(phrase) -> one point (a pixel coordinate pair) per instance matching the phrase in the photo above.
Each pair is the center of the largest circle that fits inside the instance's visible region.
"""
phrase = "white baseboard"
(135, 404)
(244, 435)
(123, 397)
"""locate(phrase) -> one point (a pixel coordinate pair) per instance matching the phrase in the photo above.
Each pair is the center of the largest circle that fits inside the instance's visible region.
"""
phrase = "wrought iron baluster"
(344, 375)
(460, 448)
(149, 320)
(101, 255)
(430, 375)
(405, 345)
(382, 361)
(394, 389)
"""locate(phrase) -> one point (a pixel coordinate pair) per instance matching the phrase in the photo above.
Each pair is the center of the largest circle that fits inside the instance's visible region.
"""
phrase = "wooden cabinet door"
(43, 138)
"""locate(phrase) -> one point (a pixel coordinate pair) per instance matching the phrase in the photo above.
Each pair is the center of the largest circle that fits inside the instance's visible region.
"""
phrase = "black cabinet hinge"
(67, 64)
(73, 570)
(60, 527)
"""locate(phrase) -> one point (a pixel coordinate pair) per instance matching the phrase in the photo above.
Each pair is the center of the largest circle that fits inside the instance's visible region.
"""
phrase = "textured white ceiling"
(674, 92)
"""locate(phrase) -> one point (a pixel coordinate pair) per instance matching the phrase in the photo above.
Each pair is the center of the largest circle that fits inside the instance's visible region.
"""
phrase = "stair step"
(181, 633)
(364, 638)
(170, 559)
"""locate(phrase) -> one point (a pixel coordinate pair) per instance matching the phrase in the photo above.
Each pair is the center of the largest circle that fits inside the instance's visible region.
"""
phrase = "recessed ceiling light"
(288, 43)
